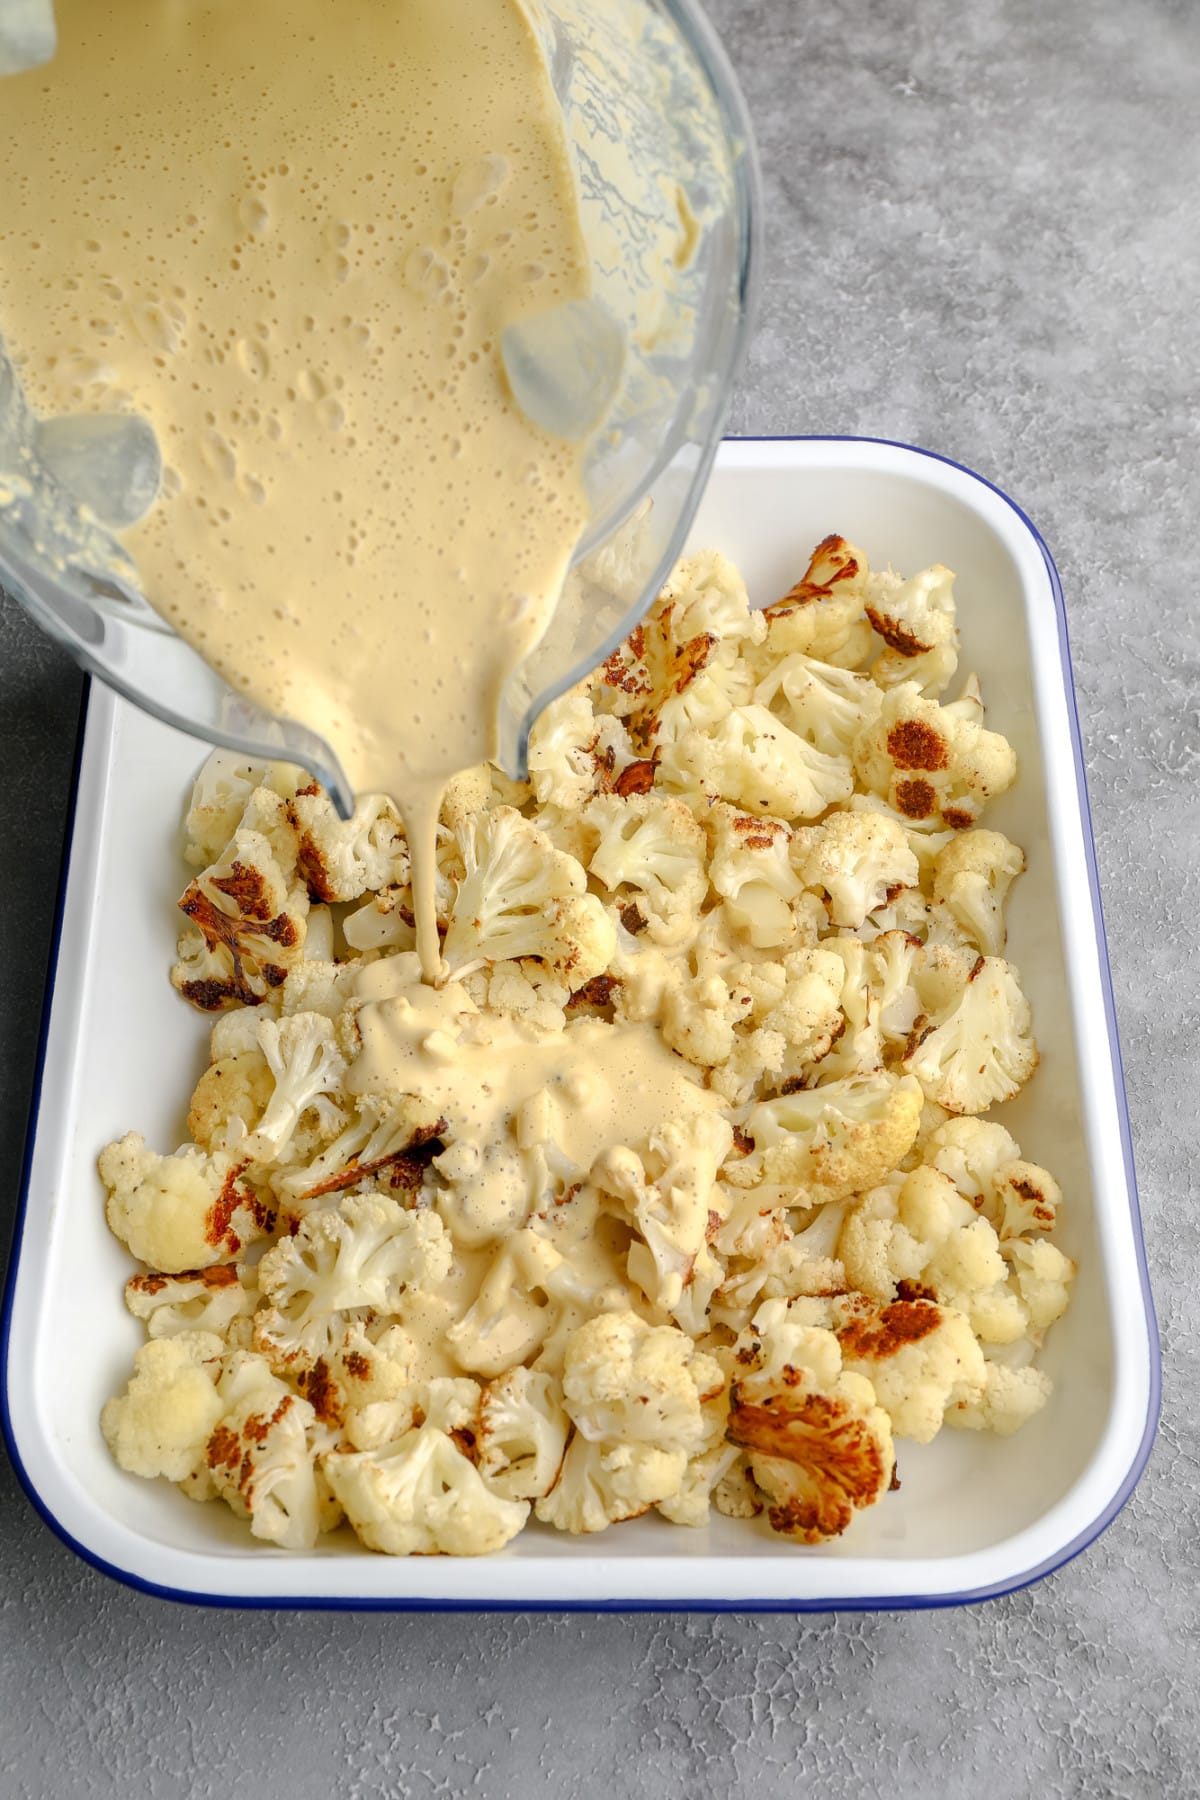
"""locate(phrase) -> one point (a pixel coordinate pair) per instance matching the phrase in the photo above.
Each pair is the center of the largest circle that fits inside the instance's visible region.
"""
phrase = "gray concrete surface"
(983, 238)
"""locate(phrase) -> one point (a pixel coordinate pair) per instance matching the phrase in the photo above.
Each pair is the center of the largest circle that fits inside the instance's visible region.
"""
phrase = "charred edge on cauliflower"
(596, 994)
(230, 931)
(321, 1391)
(220, 1275)
(633, 918)
(820, 1435)
(957, 819)
(636, 778)
(832, 549)
(904, 1322)
(407, 1166)
(218, 1221)
(894, 635)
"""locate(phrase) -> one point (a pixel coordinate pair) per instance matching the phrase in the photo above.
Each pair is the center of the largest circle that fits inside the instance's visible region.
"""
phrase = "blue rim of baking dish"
(881, 1603)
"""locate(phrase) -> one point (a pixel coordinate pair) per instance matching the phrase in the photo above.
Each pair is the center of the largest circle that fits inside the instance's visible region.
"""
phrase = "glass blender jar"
(669, 201)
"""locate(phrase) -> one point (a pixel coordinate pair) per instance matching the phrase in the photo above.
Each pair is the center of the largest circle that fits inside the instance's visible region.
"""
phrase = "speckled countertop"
(984, 238)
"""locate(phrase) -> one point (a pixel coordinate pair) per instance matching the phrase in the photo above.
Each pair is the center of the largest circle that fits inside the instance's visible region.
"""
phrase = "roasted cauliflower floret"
(247, 927)
(230, 1098)
(183, 1211)
(920, 1358)
(161, 1424)
(343, 1261)
(930, 762)
(522, 897)
(753, 760)
(824, 1143)
(751, 869)
(652, 844)
(818, 1444)
(921, 1231)
(973, 1044)
(971, 877)
(818, 614)
(827, 705)
(262, 1456)
(522, 1436)
(340, 859)
(858, 860)
(915, 619)
(212, 1300)
(418, 1493)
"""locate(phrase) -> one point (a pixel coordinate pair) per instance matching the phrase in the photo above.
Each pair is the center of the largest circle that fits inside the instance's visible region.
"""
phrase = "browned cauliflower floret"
(184, 1211)
(972, 1043)
(915, 619)
(817, 615)
(247, 927)
(824, 1143)
(340, 859)
(819, 1446)
(931, 761)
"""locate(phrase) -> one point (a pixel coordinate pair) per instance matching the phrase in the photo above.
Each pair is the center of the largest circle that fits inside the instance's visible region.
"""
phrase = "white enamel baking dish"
(976, 1516)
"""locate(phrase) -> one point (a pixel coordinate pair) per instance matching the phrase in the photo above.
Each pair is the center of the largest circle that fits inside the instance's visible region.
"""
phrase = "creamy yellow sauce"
(291, 234)
(524, 1110)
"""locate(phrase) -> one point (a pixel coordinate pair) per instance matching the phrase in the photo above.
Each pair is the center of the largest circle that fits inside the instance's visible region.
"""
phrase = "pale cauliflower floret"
(827, 705)
(788, 1013)
(357, 1256)
(218, 801)
(512, 1312)
(921, 1359)
(1010, 1397)
(384, 921)
(562, 770)
(195, 1300)
(753, 760)
(635, 1394)
(667, 1194)
(602, 1483)
(524, 990)
(915, 619)
(971, 877)
(930, 761)
(751, 869)
(183, 1211)
(1042, 1276)
(522, 897)
(819, 1446)
(705, 1474)
(419, 1494)
(308, 1066)
(314, 986)
(859, 860)
(825, 1143)
(468, 792)
(817, 616)
(340, 859)
(628, 1381)
(984, 1162)
(262, 1453)
(160, 1425)
(859, 1047)
(977, 1046)
(522, 1435)
(230, 1097)
(652, 843)
(925, 1232)
(697, 1020)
